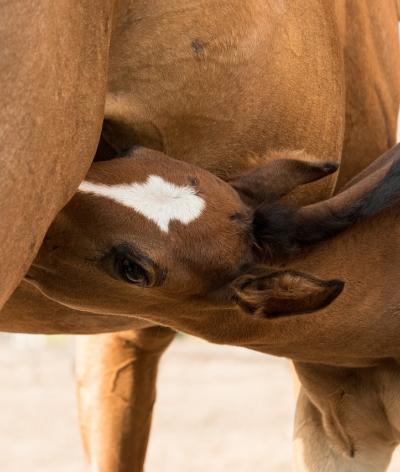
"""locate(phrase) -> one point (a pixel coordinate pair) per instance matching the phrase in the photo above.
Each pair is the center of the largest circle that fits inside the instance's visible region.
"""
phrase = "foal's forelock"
(156, 199)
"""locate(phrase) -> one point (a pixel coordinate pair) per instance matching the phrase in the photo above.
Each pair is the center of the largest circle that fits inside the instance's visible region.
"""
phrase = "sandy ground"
(219, 409)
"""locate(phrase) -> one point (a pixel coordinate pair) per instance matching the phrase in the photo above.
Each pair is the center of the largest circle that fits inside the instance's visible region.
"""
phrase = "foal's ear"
(285, 171)
(272, 294)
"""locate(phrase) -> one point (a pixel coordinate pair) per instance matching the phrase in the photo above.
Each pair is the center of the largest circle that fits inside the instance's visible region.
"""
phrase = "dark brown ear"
(280, 230)
(282, 174)
(286, 292)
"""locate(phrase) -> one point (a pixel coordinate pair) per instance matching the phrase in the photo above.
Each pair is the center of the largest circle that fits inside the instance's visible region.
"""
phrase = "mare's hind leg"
(315, 452)
(116, 392)
(346, 418)
(372, 73)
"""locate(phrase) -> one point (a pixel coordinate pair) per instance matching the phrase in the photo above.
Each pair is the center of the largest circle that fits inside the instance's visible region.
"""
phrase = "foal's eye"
(132, 272)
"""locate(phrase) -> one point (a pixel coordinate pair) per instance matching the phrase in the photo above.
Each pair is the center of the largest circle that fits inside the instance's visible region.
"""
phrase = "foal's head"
(147, 234)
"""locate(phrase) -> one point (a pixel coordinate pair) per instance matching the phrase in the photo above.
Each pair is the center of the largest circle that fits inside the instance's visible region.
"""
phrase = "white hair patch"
(156, 199)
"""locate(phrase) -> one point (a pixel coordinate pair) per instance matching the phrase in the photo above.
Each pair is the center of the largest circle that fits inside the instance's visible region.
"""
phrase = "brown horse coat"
(53, 81)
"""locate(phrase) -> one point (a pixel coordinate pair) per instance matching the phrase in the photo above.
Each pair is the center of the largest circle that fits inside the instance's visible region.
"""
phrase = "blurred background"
(218, 409)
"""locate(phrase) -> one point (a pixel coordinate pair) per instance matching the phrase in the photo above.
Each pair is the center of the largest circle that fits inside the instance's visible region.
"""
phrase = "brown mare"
(215, 93)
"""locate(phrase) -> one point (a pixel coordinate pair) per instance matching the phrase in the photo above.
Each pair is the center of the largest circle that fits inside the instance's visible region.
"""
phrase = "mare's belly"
(215, 83)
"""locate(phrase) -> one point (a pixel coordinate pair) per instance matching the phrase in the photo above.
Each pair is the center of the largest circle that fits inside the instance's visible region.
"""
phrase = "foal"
(144, 239)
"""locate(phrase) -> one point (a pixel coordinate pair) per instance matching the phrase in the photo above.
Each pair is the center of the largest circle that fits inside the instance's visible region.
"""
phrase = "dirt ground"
(219, 409)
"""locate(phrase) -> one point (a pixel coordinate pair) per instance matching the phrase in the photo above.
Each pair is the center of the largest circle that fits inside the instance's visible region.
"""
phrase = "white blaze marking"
(156, 199)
